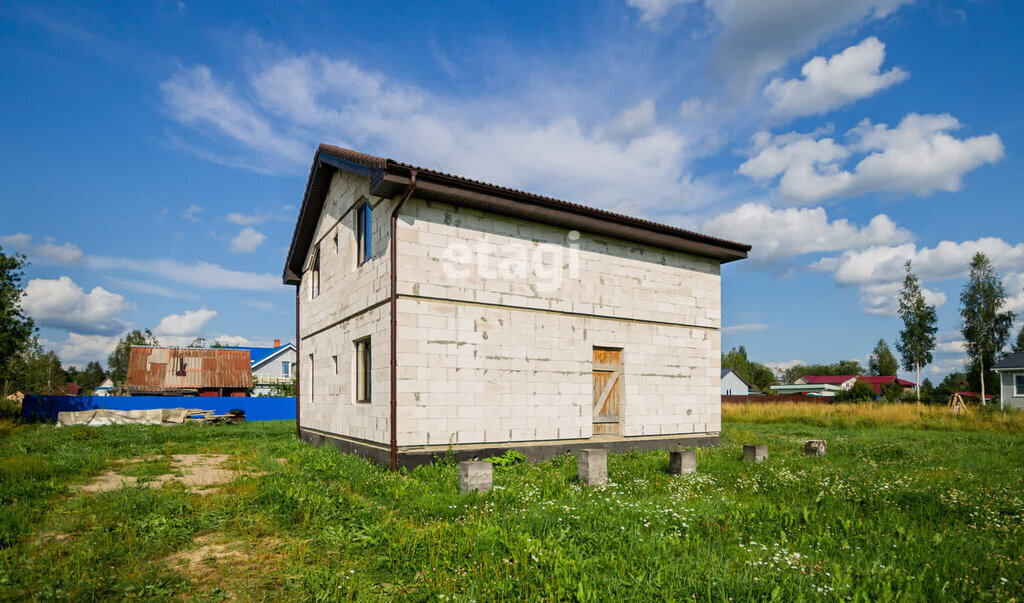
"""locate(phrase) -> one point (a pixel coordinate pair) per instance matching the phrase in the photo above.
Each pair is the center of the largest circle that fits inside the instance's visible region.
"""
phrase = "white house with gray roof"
(1011, 380)
(437, 312)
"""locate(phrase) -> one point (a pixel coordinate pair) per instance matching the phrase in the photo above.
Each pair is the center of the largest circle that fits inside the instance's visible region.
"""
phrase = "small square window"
(364, 232)
(1018, 386)
(363, 371)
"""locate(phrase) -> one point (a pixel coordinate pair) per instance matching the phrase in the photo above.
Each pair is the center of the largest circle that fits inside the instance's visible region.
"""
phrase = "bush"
(892, 392)
(10, 410)
(860, 392)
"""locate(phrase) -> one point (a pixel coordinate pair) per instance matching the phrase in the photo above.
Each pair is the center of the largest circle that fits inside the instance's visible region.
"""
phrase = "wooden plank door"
(607, 390)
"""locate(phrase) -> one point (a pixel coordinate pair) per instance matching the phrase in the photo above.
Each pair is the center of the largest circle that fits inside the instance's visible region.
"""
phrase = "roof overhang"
(389, 178)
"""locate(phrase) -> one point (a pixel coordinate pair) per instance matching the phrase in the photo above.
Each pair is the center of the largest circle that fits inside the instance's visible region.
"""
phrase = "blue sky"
(155, 153)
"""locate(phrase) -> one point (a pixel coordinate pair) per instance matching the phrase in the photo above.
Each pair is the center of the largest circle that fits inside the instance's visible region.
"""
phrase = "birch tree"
(986, 326)
(917, 339)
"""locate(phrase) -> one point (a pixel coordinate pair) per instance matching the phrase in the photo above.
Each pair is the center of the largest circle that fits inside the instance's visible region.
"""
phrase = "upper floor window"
(364, 232)
(314, 268)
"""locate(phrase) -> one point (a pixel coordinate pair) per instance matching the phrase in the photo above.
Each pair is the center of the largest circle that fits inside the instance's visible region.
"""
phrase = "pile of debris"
(154, 416)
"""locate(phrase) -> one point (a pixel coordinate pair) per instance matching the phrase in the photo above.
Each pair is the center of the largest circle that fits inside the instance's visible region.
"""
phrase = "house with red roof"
(844, 382)
(879, 383)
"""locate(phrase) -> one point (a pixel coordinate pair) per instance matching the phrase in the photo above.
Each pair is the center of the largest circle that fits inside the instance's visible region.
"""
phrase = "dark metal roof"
(389, 178)
(155, 369)
(1013, 361)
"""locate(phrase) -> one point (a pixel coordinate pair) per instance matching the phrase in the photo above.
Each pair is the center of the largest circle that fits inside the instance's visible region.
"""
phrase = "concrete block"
(682, 461)
(592, 466)
(814, 448)
(475, 476)
(755, 453)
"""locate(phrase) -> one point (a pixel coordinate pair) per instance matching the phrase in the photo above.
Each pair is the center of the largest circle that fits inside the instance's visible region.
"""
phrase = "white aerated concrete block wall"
(352, 304)
(491, 355)
(489, 352)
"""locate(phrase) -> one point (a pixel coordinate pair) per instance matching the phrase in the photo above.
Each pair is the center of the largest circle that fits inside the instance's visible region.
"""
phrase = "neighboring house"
(156, 371)
(1011, 380)
(734, 385)
(106, 388)
(438, 313)
(840, 381)
(271, 366)
(808, 389)
(879, 383)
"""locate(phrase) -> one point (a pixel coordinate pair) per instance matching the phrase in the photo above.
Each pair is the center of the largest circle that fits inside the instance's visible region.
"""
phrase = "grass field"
(932, 510)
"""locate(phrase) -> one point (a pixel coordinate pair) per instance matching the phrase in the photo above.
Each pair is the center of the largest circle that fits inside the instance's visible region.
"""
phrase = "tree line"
(985, 327)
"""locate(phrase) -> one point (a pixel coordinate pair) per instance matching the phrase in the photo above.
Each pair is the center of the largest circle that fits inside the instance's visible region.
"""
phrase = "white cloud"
(192, 213)
(246, 219)
(829, 84)
(918, 157)
(62, 304)
(198, 274)
(247, 240)
(748, 327)
(653, 10)
(237, 340)
(634, 122)
(261, 304)
(1014, 285)
(188, 324)
(692, 109)
(783, 366)
(78, 350)
(195, 99)
(778, 234)
(878, 271)
(946, 260)
(18, 240)
(290, 104)
(68, 253)
(151, 289)
(760, 36)
(883, 299)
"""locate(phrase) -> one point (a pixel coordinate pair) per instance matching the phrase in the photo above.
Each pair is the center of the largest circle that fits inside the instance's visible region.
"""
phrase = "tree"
(751, 371)
(198, 342)
(860, 392)
(917, 339)
(882, 363)
(16, 329)
(90, 377)
(117, 362)
(35, 371)
(843, 367)
(1018, 346)
(986, 326)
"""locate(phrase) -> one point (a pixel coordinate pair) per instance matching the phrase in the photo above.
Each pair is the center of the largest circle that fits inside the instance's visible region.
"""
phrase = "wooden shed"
(156, 371)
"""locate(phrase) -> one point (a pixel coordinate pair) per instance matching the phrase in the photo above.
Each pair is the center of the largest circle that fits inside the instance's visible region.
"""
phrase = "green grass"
(889, 513)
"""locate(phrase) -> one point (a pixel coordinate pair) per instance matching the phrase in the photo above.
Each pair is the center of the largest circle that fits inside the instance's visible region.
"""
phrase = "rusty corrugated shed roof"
(153, 368)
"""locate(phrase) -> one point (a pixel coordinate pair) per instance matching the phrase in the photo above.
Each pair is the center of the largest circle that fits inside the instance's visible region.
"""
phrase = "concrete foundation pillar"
(814, 448)
(682, 461)
(592, 466)
(755, 453)
(475, 476)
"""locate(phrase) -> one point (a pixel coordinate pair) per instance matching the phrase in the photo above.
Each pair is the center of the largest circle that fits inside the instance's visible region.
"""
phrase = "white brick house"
(522, 321)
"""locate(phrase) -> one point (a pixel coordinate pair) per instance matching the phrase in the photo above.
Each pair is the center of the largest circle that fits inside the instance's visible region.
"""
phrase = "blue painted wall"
(45, 408)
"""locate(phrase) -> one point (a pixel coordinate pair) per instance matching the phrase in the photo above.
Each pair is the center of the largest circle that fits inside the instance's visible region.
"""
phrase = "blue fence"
(45, 408)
